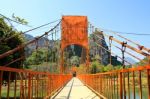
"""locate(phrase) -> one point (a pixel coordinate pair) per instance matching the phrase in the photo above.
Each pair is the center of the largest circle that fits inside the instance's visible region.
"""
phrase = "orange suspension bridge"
(115, 84)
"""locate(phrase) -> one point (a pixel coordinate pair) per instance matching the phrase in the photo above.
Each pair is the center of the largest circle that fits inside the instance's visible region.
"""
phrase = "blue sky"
(119, 15)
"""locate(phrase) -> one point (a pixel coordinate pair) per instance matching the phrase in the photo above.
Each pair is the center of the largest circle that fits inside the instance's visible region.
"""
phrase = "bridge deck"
(76, 90)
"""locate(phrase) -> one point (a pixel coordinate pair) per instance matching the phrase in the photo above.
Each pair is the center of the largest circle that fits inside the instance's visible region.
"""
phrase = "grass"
(11, 93)
(41, 90)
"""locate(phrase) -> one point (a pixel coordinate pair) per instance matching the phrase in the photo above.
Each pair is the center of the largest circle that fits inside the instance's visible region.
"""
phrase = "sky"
(131, 16)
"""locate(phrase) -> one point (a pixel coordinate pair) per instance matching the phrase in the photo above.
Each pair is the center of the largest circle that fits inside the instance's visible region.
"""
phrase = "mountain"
(77, 50)
(43, 42)
(101, 49)
(28, 37)
(98, 50)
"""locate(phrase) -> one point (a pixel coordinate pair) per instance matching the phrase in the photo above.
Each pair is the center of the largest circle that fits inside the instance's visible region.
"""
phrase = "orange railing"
(26, 84)
(132, 83)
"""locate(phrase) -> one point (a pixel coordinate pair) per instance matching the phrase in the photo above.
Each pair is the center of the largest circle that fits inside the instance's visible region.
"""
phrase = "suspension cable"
(29, 30)
(24, 45)
(46, 45)
(21, 58)
(121, 49)
(129, 54)
(139, 46)
(18, 59)
(123, 63)
(112, 52)
(110, 44)
(36, 50)
(128, 46)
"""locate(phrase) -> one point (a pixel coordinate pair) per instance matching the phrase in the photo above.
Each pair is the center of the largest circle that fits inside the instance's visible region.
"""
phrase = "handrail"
(119, 84)
(29, 84)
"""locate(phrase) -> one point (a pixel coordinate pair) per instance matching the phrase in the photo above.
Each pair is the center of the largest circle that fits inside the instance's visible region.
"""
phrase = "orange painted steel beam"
(128, 46)
(121, 50)
(18, 59)
(141, 47)
(74, 31)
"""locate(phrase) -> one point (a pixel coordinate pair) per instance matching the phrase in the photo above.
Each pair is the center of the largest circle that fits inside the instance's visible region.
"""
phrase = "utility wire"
(108, 30)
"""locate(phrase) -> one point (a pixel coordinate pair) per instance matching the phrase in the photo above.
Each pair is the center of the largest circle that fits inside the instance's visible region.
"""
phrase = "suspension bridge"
(75, 30)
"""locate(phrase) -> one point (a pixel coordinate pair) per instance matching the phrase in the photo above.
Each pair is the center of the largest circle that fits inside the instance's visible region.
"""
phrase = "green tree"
(20, 20)
(37, 57)
(6, 45)
(75, 60)
(7, 31)
(144, 62)
(96, 67)
(108, 68)
(42, 55)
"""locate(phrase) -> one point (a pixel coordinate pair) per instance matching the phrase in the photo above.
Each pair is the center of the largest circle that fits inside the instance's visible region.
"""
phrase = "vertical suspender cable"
(110, 43)
(123, 63)
(123, 51)
(36, 49)
(46, 43)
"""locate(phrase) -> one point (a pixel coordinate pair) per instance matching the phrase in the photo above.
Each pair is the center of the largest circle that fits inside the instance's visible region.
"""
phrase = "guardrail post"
(128, 83)
(1, 82)
(133, 81)
(29, 86)
(121, 91)
(140, 85)
(148, 81)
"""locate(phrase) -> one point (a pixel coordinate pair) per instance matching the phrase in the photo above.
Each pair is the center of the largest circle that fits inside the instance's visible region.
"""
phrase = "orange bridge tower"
(74, 31)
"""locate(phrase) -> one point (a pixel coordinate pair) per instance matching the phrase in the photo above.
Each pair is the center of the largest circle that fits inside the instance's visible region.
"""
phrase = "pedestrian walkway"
(75, 89)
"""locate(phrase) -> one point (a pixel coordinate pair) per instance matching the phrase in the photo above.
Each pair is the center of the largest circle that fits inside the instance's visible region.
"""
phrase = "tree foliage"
(20, 20)
(7, 31)
(141, 63)
(5, 45)
(95, 67)
(41, 56)
(75, 60)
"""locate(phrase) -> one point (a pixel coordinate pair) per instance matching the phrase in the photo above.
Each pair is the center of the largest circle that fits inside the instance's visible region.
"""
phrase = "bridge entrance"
(74, 31)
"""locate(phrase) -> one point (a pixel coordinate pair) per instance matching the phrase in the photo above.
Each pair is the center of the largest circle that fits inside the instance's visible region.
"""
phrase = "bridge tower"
(74, 31)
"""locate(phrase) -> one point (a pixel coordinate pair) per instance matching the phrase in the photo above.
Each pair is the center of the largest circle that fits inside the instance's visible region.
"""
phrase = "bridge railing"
(129, 83)
(26, 84)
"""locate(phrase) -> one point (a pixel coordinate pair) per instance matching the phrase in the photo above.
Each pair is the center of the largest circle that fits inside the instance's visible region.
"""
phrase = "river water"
(137, 94)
